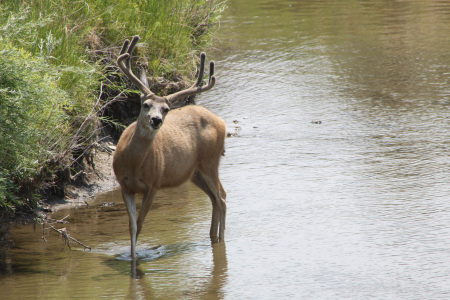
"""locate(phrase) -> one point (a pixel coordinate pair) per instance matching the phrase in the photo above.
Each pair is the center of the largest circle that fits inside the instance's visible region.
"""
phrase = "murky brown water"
(338, 183)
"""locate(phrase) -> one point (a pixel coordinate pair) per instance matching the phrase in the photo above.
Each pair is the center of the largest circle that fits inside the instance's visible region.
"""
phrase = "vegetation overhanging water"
(58, 74)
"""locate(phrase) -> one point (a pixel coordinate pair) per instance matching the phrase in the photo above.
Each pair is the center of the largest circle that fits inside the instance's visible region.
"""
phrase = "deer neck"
(138, 143)
(135, 158)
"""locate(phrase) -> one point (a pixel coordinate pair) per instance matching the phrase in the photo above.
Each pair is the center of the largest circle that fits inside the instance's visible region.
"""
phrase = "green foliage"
(54, 66)
(8, 190)
(39, 114)
(170, 31)
(33, 119)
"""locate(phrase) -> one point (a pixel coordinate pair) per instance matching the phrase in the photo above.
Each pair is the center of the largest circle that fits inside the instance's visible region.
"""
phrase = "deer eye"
(146, 105)
(166, 110)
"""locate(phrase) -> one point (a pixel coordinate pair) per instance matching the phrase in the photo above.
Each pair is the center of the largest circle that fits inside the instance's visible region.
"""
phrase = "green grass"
(172, 31)
(55, 63)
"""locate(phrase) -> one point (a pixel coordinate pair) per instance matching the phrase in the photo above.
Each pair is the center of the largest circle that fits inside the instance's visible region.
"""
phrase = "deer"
(167, 147)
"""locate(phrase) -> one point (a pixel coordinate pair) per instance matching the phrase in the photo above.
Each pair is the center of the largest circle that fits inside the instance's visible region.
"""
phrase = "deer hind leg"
(147, 201)
(213, 188)
(130, 204)
(223, 201)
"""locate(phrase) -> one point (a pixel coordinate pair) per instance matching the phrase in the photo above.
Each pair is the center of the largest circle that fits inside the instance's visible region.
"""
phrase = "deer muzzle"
(156, 122)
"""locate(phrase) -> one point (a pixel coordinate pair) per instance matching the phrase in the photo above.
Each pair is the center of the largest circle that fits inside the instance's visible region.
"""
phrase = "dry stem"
(62, 232)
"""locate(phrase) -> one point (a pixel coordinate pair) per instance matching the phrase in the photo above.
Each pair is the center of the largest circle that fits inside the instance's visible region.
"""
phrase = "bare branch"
(62, 231)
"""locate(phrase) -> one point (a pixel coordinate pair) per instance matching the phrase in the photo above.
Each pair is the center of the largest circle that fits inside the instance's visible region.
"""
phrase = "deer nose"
(156, 122)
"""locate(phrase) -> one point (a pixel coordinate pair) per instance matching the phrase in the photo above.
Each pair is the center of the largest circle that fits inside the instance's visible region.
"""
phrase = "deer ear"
(167, 102)
(143, 77)
(144, 80)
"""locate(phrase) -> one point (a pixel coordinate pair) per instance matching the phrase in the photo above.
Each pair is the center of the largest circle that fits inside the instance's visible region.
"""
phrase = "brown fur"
(191, 138)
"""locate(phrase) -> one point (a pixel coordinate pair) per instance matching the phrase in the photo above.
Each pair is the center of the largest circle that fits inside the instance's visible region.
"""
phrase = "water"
(337, 180)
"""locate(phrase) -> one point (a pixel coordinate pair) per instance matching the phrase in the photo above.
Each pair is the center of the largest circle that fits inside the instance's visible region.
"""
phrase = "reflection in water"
(337, 180)
(207, 287)
(214, 289)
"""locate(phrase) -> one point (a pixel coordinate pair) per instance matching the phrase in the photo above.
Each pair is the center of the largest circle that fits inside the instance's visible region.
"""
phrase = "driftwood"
(48, 224)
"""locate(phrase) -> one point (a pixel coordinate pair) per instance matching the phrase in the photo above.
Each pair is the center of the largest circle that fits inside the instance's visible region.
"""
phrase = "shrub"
(33, 121)
(40, 122)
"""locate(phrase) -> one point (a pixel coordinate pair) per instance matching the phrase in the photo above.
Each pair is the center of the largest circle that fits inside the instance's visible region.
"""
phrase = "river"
(337, 173)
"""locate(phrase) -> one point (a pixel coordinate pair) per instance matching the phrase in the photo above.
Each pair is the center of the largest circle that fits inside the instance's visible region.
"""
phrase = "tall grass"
(55, 57)
(171, 30)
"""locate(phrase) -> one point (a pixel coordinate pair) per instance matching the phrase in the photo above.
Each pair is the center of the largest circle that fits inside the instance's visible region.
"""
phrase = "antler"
(124, 63)
(195, 88)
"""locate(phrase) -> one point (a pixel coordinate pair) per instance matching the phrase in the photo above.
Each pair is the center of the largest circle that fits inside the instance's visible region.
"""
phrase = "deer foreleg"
(147, 201)
(130, 204)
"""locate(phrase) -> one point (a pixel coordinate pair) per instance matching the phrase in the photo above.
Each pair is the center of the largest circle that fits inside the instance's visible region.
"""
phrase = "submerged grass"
(56, 60)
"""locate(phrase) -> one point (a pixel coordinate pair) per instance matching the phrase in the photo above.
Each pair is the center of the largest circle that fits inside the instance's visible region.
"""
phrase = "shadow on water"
(180, 264)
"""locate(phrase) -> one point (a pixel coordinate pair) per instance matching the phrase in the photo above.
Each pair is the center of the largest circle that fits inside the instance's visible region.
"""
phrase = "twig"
(89, 116)
(67, 238)
(62, 232)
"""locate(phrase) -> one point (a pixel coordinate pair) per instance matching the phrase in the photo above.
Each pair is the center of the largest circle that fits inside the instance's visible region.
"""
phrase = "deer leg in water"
(130, 204)
(223, 198)
(147, 201)
(219, 205)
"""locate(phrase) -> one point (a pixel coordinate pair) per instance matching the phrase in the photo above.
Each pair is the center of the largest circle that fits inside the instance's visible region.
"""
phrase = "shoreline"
(99, 178)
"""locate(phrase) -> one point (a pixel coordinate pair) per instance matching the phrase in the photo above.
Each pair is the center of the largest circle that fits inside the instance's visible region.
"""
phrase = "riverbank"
(97, 178)
(60, 85)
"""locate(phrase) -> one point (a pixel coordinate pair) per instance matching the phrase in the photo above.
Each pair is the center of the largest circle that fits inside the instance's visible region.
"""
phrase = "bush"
(34, 123)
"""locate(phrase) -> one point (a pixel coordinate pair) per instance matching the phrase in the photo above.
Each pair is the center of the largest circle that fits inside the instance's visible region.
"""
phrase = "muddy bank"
(97, 178)
(100, 177)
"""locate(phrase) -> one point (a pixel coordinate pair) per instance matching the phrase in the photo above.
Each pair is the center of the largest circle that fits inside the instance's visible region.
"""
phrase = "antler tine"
(202, 69)
(211, 71)
(195, 88)
(133, 44)
(124, 63)
(124, 47)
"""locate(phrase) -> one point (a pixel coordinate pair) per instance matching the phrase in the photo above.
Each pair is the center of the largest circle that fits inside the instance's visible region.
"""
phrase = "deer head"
(154, 108)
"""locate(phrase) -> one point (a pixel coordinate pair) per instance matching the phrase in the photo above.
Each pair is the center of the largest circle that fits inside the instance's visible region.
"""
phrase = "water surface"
(337, 179)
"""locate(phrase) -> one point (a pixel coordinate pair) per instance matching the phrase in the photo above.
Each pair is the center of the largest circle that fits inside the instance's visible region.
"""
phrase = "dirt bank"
(100, 177)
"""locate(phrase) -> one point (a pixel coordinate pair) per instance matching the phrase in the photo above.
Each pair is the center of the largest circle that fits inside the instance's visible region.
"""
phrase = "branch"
(62, 232)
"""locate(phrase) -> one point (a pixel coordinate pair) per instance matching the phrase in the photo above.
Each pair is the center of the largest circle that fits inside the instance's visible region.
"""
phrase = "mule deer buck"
(165, 148)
